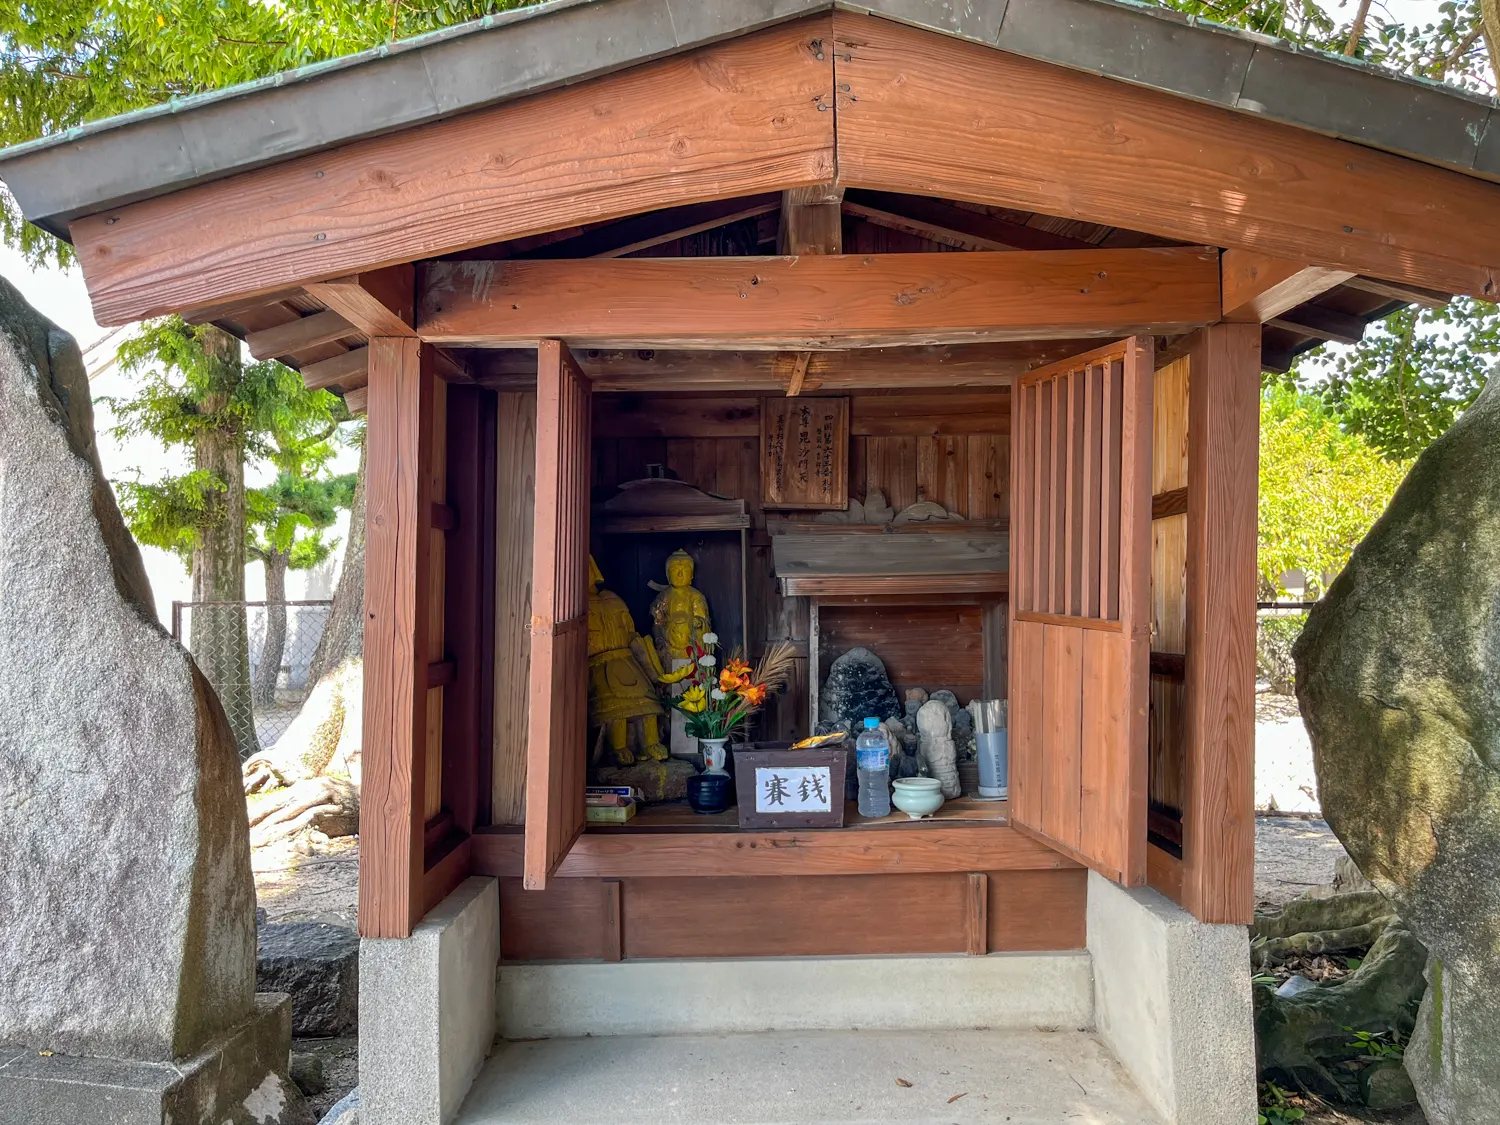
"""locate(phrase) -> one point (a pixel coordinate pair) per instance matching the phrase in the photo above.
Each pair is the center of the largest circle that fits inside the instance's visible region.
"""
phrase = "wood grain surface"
(739, 117)
(819, 301)
(1007, 131)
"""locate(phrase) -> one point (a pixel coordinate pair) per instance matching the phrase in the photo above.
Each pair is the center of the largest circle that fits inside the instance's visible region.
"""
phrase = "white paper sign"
(780, 789)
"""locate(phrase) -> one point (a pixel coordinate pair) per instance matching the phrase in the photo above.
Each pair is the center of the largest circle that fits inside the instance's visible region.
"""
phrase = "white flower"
(708, 660)
(710, 638)
(718, 694)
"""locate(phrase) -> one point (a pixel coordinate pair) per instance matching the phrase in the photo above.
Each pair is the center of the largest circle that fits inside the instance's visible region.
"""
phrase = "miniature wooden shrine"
(1042, 329)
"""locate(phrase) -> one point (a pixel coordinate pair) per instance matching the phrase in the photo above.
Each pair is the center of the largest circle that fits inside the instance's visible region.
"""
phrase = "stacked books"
(609, 804)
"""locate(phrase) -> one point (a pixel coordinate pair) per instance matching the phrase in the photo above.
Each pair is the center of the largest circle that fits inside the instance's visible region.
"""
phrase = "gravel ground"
(1284, 780)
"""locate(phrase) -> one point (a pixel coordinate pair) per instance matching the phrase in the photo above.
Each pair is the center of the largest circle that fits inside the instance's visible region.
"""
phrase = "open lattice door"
(1080, 603)
(557, 699)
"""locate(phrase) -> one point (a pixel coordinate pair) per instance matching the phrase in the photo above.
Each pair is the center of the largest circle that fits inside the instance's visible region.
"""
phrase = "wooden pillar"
(398, 526)
(1223, 457)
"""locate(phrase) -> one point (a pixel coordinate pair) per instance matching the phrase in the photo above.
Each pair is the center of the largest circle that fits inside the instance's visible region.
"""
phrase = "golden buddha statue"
(679, 615)
(619, 688)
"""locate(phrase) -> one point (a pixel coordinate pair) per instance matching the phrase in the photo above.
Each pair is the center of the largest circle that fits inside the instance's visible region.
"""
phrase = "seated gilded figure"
(679, 615)
(620, 689)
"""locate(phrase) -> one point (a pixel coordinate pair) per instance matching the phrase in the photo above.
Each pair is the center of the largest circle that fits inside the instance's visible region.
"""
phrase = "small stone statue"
(620, 690)
(679, 615)
(934, 729)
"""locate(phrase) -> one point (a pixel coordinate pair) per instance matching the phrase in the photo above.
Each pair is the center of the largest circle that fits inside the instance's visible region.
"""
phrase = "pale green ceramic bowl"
(917, 796)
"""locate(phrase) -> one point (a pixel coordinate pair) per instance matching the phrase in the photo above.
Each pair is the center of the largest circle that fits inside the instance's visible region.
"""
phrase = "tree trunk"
(271, 652)
(219, 640)
(344, 634)
(1489, 21)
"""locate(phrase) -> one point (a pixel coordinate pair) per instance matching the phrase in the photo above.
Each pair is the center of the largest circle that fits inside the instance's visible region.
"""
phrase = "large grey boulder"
(317, 965)
(1398, 675)
(127, 907)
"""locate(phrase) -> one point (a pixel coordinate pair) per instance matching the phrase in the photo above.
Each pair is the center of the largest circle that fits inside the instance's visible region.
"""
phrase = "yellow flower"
(681, 674)
(692, 700)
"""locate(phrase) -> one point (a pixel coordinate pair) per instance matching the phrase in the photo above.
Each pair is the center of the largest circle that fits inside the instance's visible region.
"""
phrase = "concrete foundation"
(1002, 990)
(427, 1010)
(1172, 1001)
(809, 1078)
(237, 1079)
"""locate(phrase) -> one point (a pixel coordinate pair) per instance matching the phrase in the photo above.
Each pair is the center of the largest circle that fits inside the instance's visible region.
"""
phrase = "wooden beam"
(1411, 294)
(819, 302)
(292, 337)
(1218, 819)
(746, 115)
(944, 223)
(1325, 324)
(347, 370)
(378, 303)
(645, 369)
(1258, 288)
(641, 232)
(799, 374)
(811, 221)
(851, 851)
(357, 400)
(1000, 129)
(398, 530)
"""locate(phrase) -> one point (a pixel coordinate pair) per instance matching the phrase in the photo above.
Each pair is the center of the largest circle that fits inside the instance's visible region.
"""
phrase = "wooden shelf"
(679, 817)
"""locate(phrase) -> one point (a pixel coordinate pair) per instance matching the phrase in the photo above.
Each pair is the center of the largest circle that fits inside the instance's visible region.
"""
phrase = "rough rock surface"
(856, 688)
(657, 781)
(126, 903)
(1398, 676)
(318, 966)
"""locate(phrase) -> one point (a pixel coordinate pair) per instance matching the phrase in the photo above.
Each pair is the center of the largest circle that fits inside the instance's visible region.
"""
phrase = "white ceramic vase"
(714, 754)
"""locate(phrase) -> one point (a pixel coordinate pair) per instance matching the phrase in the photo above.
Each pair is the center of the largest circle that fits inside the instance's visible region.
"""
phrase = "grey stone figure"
(127, 949)
(1398, 675)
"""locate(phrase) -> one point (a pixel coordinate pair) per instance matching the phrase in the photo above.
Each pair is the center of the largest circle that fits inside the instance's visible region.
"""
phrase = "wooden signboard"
(804, 445)
(790, 788)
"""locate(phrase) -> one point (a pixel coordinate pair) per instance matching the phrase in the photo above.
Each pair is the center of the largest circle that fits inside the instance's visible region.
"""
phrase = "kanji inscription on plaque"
(805, 452)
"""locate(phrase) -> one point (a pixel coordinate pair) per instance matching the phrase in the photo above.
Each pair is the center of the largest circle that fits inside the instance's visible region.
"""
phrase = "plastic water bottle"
(872, 757)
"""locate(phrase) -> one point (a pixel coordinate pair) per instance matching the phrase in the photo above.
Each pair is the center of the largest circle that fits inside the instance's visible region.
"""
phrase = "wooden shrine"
(1049, 322)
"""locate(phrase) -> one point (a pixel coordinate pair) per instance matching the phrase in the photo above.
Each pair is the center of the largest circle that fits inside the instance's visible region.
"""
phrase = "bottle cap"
(871, 724)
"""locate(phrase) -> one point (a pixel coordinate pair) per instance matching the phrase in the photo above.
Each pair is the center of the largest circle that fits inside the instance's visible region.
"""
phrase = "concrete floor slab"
(808, 1078)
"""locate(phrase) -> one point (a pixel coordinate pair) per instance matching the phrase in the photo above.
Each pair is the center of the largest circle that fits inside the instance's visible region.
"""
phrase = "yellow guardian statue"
(619, 688)
(679, 615)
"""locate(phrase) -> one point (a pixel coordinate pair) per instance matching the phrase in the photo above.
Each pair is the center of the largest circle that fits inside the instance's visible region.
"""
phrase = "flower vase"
(714, 755)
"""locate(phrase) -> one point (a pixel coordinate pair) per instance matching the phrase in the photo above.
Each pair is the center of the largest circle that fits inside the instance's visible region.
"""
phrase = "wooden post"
(398, 527)
(1223, 456)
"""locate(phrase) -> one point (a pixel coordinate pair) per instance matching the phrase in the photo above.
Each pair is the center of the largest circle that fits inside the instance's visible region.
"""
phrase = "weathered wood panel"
(1223, 454)
(736, 118)
(398, 526)
(1008, 131)
(1169, 473)
(515, 510)
(819, 301)
(1081, 557)
(557, 694)
(929, 647)
(944, 912)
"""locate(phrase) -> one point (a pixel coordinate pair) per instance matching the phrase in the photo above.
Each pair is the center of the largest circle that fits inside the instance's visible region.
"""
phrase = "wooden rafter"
(819, 302)
(1082, 146)
(378, 303)
(1325, 324)
(941, 222)
(634, 369)
(743, 116)
(641, 232)
(1258, 288)
(298, 335)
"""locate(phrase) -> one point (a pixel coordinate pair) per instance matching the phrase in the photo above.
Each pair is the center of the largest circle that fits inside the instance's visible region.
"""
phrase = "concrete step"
(727, 996)
(808, 1078)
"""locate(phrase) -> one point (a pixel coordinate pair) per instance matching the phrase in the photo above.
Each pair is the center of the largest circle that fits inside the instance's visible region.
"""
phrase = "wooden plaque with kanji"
(805, 453)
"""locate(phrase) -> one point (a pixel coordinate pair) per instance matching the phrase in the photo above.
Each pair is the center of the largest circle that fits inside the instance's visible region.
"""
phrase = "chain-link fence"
(258, 656)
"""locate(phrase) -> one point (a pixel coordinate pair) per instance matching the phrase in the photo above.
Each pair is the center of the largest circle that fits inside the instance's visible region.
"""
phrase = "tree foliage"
(186, 390)
(66, 62)
(1320, 489)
